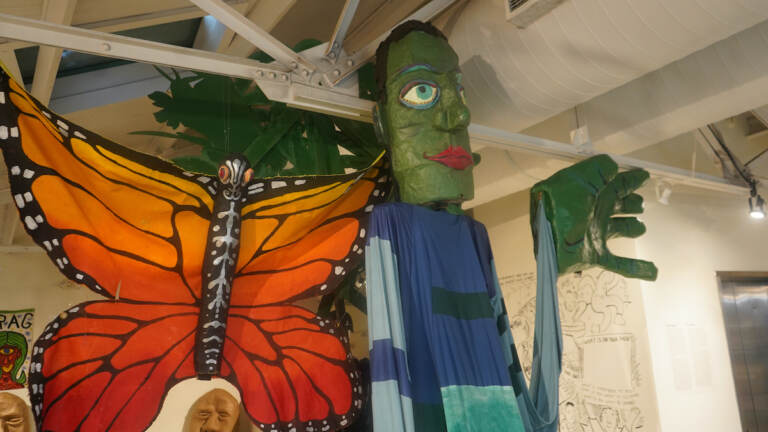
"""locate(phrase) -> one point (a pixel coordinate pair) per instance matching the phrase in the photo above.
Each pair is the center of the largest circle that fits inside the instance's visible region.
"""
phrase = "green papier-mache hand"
(580, 202)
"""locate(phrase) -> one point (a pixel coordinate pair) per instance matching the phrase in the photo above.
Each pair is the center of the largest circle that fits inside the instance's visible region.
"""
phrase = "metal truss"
(320, 79)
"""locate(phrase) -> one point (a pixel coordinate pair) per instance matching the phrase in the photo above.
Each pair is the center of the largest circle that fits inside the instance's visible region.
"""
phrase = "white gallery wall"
(696, 235)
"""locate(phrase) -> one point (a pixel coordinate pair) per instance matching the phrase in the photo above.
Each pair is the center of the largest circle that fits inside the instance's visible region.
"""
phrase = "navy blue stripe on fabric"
(389, 363)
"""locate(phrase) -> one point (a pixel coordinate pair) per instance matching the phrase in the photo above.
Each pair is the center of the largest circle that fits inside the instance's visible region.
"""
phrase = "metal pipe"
(510, 140)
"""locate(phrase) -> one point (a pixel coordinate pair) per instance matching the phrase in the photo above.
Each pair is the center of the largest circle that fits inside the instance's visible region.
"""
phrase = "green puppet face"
(424, 122)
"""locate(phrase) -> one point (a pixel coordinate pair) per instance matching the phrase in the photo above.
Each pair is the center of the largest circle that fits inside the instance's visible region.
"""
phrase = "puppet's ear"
(379, 127)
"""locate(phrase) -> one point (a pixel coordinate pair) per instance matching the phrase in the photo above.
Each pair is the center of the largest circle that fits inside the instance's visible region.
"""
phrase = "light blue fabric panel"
(547, 336)
(381, 270)
(538, 404)
(392, 409)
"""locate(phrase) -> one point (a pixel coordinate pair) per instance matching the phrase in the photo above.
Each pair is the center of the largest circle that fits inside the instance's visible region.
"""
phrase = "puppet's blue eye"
(419, 94)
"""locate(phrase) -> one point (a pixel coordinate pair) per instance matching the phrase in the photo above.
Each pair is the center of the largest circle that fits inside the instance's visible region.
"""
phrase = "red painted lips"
(453, 157)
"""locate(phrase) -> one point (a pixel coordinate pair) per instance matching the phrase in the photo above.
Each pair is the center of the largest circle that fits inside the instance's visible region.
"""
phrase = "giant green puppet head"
(422, 117)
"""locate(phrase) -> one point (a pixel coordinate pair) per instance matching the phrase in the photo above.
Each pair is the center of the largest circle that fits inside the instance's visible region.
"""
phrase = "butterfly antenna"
(227, 112)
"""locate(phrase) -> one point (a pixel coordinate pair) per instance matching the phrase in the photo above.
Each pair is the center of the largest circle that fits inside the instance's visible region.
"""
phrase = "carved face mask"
(13, 414)
(215, 411)
(424, 121)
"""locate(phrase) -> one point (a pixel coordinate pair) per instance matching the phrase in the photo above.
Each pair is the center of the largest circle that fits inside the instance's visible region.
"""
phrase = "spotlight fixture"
(663, 191)
(756, 207)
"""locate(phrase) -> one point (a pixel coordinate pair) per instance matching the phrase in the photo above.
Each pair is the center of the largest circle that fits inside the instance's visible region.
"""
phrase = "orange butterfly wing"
(302, 243)
(108, 217)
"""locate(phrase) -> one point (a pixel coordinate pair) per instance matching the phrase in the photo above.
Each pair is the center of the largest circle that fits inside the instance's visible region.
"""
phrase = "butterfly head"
(234, 173)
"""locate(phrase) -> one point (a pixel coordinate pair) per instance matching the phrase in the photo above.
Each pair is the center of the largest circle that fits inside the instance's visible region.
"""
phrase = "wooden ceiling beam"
(265, 14)
(48, 58)
(8, 58)
(134, 21)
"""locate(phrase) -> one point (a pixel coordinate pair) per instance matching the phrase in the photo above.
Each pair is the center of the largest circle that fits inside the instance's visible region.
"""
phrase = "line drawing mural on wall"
(603, 387)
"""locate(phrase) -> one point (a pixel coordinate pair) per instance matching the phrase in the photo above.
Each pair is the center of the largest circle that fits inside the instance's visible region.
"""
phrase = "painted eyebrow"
(411, 68)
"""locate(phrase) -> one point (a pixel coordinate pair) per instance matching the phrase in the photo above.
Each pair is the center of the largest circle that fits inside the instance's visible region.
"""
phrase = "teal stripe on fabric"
(381, 271)
(461, 305)
(429, 417)
(481, 409)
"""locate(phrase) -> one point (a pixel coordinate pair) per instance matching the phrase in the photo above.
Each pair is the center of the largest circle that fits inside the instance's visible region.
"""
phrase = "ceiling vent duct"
(523, 13)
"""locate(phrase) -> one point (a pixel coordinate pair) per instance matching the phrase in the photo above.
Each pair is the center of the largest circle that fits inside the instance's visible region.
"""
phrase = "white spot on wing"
(30, 223)
(2, 97)
(28, 197)
(15, 170)
(79, 135)
(278, 184)
(362, 232)
(3, 132)
(19, 200)
(203, 179)
(55, 242)
(28, 173)
(47, 245)
(39, 218)
(299, 182)
(338, 269)
(62, 125)
(15, 132)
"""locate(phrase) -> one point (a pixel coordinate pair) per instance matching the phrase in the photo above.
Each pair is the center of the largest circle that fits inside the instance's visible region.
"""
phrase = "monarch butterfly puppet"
(200, 273)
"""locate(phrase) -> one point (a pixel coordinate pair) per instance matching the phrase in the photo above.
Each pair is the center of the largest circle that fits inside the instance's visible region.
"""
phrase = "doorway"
(744, 300)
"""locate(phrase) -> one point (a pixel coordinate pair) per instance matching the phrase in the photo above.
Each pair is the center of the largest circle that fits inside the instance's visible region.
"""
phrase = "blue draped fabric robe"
(442, 354)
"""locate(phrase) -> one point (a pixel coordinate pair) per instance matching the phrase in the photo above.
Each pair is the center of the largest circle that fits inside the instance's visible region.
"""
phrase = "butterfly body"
(219, 264)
